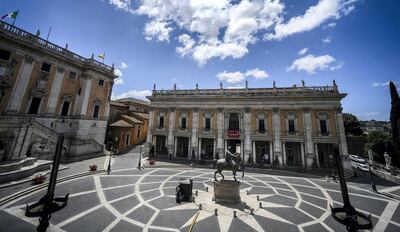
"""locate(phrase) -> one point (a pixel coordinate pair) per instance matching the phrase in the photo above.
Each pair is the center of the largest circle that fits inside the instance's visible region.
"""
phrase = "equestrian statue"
(231, 161)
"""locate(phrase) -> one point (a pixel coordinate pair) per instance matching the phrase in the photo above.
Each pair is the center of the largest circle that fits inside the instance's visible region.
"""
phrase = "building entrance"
(182, 147)
(262, 152)
(207, 149)
(160, 148)
(234, 145)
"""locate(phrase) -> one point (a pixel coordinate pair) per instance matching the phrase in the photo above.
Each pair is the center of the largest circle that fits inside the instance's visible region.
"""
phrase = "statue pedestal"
(227, 191)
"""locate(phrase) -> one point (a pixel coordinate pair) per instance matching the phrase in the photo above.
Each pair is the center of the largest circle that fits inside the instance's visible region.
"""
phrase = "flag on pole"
(102, 56)
(13, 15)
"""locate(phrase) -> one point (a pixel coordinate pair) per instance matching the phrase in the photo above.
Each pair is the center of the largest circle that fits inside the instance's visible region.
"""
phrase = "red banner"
(233, 133)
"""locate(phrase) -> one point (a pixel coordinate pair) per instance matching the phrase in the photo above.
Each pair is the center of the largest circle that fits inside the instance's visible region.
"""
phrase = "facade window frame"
(323, 116)
(183, 121)
(261, 124)
(291, 124)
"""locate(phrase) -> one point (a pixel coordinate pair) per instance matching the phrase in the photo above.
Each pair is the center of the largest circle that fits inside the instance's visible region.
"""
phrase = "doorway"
(182, 147)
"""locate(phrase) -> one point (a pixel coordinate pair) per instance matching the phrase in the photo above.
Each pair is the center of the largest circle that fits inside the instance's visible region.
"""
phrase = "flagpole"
(15, 18)
(48, 34)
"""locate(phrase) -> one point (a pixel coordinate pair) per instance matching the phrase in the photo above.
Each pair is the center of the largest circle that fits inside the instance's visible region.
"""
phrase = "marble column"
(82, 103)
(277, 135)
(284, 160)
(199, 142)
(215, 148)
(247, 140)
(195, 120)
(220, 132)
(171, 128)
(316, 153)
(55, 91)
(342, 135)
(21, 85)
(149, 136)
(254, 152)
(303, 158)
(309, 143)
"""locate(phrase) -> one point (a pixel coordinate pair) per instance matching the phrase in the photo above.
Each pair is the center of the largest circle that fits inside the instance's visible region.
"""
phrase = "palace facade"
(295, 126)
(47, 90)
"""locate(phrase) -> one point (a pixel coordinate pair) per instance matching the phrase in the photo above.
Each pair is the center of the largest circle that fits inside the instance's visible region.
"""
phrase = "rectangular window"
(101, 82)
(4, 54)
(45, 67)
(208, 123)
(183, 126)
(291, 126)
(65, 108)
(35, 104)
(127, 138)
(261, 125)
(72, 76)
(96, 111)
(323, 126)
(161, 122)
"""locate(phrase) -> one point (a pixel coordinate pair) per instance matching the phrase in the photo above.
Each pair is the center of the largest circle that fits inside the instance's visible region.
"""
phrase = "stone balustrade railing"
(251, 91)
(36, 40)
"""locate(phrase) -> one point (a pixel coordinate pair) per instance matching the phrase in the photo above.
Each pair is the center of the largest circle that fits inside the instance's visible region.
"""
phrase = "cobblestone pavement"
(133, 200)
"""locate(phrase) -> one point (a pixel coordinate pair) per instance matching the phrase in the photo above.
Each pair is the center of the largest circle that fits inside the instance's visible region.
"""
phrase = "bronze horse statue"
(231, 161)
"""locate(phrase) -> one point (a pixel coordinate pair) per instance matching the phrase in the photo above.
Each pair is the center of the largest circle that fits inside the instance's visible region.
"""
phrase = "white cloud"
(157, 29)
(312, 18)
(133, 93)
(303, 51)
(257, 74)
(123, 66)
(311, 63)
(371, 114)
(327, 40)
(330, 25)
(236, 87)
(236, 77)
(121, 5)
(222, 29)
(383, 84)
(118, 80)
(231, 77)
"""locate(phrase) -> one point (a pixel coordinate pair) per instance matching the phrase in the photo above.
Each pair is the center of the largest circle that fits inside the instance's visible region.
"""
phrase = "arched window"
(261, 123)
(207, 121)
(161, 120)
(183, 121)
(291, 123)
(323, 123)
(233, 121)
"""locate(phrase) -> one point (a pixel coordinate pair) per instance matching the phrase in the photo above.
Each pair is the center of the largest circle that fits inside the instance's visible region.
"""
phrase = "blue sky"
(354, 42)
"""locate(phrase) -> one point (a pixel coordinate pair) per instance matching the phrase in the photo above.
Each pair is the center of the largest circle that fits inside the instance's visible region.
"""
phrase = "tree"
(378, 142)
(351, 125)
(395, 123)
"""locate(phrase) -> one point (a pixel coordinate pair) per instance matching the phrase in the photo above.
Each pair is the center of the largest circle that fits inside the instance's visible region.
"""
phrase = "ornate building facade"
(46, 90)
(295, 126)
(127, 123)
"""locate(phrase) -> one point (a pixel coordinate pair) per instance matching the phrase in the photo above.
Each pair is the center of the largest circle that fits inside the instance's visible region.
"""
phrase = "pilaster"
(247, 140)
(171, 129)
(21, 85)
(195, 120)
(220, 132)
(55, 90)
(309, 143)
(343, 142)
(276, 123)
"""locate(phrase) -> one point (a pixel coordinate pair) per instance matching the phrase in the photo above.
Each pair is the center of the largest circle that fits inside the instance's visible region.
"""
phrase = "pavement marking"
(386, 216)
(389, 189)
(77, 216)
(19, 213)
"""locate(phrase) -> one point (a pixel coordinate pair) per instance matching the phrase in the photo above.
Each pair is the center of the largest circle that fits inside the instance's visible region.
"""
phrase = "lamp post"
(348, 215)
(49, 204)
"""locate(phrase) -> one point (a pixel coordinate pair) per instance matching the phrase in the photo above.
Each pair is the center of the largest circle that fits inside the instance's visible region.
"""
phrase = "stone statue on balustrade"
(388, 160)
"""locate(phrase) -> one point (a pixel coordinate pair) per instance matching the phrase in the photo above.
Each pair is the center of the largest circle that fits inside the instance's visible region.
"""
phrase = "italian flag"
(13, 15)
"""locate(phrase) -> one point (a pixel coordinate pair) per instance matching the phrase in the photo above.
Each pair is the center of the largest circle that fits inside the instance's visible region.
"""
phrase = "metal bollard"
(247, 192)
(252, 211)
(216, 212)
(206, 189)
(197, 193)
(260, 204)
(234, 214)
(258, 197)
(200, 206)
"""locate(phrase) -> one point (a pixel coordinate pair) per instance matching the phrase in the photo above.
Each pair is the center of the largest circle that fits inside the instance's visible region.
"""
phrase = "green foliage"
(352, 125)
(378, 142)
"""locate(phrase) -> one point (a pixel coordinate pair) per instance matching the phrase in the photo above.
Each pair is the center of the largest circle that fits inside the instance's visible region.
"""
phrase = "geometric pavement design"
(133, 200)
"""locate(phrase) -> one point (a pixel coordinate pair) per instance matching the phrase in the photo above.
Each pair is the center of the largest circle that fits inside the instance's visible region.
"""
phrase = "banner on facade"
(233, 133)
